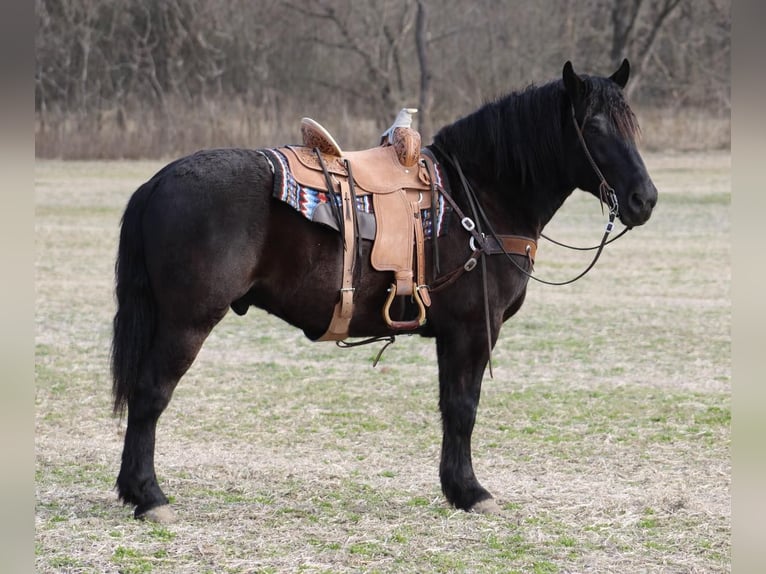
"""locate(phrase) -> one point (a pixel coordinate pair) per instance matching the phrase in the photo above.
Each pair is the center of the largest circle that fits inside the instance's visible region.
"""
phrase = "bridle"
(606, 192)
(479, 240)
(607, 196)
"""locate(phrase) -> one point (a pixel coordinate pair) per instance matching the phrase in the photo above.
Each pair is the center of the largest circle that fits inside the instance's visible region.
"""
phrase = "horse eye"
(597, 124)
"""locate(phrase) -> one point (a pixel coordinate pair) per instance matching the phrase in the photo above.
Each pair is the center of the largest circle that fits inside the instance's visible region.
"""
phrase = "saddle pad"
(314, 204)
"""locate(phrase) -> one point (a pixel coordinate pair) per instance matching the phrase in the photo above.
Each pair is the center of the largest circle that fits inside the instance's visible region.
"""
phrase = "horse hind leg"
(172, 353)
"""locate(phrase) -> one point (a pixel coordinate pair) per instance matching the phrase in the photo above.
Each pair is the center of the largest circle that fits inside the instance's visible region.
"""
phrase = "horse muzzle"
(639, 205)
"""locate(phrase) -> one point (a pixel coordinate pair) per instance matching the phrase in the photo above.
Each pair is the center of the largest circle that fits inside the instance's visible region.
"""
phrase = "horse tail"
(135, 319)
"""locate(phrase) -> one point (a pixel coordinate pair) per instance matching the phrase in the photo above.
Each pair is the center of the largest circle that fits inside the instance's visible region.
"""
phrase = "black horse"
(206, 234)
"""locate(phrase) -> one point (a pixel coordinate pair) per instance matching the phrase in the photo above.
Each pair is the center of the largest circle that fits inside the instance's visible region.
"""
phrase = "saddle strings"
(354, 209)
(337, 210)
(431, 167)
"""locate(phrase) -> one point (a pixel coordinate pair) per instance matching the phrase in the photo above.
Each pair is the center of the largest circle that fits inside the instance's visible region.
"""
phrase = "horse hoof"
(488, 506)
(159, 514)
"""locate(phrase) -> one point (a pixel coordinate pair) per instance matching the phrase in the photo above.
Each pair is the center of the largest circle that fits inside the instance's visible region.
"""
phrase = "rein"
(602, 186)
(479, 240)
(575, 248)
(606, 195)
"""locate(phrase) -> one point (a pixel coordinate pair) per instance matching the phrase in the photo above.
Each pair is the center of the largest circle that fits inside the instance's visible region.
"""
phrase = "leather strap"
(330, 193)
(514, 244)
(344, 308)
(420, 256)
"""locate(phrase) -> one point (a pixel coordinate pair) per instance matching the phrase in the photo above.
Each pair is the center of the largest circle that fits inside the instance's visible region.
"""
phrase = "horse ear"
(620, 77)
(574, 84)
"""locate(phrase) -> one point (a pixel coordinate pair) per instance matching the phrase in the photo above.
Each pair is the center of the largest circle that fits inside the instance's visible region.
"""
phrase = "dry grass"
(179, 130)
(604, 434)
(685, 129)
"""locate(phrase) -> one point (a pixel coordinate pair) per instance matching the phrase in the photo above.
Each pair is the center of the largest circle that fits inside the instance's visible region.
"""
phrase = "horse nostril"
(640, 202)
(636, 202)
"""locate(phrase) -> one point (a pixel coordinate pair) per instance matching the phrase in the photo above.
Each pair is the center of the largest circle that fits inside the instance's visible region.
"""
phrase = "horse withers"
(206, 234)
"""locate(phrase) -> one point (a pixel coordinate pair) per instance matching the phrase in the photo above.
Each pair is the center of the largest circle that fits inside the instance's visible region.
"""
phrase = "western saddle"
(400, 183)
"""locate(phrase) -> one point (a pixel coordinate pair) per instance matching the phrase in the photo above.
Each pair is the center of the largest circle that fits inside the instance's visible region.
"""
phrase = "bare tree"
(185, 73)
(374, 34)
(636, 25)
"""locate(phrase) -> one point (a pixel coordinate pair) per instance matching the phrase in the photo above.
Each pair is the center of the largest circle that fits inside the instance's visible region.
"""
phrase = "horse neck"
(512, 153)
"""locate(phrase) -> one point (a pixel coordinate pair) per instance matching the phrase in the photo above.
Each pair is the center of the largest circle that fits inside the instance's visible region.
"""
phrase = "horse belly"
(299, 275)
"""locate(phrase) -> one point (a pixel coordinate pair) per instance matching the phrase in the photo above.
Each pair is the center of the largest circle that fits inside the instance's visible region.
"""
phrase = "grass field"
(604, 434)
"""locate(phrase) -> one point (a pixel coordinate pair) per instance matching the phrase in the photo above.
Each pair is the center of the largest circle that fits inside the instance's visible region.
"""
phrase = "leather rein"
(493, 243)
(607, 196)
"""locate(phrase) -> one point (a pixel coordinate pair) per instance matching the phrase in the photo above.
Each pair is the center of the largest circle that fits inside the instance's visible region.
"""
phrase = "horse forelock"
(625, 121)
(605, 97)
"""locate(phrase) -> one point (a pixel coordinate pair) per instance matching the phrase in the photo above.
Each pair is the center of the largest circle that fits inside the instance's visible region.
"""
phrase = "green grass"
(131, 561)
(604, 435)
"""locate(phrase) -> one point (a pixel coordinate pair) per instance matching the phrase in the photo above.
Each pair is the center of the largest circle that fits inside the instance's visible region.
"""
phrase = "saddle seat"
(399, 184)
(405, 141)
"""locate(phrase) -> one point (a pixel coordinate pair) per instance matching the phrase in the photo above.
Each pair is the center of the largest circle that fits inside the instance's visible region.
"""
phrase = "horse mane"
(517, 139)
(510, 138)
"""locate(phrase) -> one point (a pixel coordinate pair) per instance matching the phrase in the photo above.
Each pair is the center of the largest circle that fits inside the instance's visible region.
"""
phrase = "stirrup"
(404, 325)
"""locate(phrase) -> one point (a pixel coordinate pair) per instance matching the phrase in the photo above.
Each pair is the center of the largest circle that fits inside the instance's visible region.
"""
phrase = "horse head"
(601, 144)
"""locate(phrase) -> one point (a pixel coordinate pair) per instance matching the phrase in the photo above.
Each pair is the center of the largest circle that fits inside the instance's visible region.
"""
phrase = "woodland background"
(151, 79)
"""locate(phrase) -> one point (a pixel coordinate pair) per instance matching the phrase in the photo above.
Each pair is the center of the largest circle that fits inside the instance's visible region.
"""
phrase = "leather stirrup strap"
(420, 257)
(344, 308)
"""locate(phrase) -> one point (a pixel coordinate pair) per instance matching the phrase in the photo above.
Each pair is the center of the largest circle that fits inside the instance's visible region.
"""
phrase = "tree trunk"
(634, 36)
(426, 96)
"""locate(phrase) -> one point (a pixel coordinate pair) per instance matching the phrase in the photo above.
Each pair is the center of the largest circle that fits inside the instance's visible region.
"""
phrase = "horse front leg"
(462, 360)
